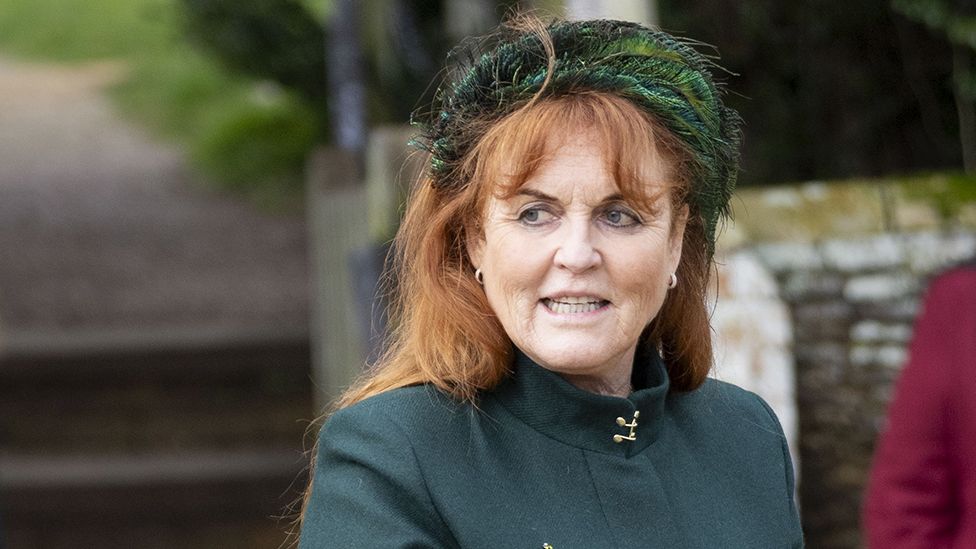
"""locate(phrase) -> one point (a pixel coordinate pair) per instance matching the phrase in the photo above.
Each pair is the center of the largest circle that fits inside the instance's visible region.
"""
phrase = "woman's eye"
(620, 218)
(534, 216)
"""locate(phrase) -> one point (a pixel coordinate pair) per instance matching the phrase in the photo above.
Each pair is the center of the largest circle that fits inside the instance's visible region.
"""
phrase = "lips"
(574, 304)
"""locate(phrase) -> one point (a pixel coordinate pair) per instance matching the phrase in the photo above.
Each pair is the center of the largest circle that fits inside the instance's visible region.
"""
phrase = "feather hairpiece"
(660, 74)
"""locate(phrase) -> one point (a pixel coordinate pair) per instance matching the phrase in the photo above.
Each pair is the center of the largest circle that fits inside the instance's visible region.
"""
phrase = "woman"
(545, 383)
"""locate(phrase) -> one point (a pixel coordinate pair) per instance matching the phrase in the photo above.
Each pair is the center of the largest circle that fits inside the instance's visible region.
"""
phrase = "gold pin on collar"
(632, 436)
(547, 546)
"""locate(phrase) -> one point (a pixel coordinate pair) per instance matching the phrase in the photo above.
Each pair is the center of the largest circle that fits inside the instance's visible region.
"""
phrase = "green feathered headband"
(657, 72)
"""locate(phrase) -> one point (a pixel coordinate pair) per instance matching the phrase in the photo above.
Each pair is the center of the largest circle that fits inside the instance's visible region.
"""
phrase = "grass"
(79, 31)
(247, 136)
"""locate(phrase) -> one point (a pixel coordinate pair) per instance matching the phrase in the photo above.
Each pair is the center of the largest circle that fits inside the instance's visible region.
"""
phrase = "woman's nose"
(576, 251)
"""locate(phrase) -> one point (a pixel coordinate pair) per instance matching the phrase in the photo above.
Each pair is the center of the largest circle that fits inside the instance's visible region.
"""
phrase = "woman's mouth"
(574, 305)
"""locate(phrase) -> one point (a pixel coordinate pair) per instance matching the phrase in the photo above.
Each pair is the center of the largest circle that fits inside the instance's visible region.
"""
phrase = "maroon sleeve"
(911, 500)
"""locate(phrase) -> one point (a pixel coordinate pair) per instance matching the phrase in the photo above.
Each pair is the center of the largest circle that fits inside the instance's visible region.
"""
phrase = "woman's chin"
(575, 355)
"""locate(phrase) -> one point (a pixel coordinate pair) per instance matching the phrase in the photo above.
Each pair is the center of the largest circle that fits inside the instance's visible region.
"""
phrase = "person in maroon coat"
(922, 488)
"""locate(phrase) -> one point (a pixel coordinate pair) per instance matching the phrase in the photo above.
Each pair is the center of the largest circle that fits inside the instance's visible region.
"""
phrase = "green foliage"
(956, 20)
(77, 31)
(246, 134)
(320, 9)
(268, 39)
(173, 92)
(947, 192)
(404, 52)
(943, 16)
(284, 40)
(258, 149)
(829, 90)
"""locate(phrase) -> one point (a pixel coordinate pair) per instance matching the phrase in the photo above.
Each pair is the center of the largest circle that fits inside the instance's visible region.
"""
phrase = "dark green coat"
(536, 464)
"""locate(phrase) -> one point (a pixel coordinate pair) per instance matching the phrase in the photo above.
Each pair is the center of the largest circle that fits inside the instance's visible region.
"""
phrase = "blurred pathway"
(153, 333)
(58, 131)
(103, 229)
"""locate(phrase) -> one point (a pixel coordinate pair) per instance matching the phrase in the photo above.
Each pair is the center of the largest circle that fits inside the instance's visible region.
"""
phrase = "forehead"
(558, 140)
(578, 163)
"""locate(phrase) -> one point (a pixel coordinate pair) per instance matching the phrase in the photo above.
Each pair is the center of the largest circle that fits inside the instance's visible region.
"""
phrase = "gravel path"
(102, 228)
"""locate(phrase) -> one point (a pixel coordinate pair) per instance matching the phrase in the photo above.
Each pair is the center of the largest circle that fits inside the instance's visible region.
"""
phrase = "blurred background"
(195, 196)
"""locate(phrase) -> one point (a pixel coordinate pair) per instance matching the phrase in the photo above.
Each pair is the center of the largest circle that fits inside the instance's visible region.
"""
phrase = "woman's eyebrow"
(536, 194)
(615, 197)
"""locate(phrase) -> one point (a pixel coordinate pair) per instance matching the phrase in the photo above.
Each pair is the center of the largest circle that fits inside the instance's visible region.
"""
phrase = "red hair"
(444, 332)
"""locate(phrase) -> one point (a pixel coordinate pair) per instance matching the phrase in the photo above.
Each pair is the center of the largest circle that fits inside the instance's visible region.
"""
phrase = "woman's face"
(573, 272)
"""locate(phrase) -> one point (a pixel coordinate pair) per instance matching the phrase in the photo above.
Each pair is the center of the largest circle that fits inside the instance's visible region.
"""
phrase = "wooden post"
(346, 76)
(391, 168)
(337, 221)
(348, 221)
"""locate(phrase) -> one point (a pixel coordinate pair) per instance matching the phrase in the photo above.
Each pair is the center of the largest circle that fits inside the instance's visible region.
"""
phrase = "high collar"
(546, 402)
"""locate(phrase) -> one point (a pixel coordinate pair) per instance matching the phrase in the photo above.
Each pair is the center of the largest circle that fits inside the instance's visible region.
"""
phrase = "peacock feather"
(656, 71)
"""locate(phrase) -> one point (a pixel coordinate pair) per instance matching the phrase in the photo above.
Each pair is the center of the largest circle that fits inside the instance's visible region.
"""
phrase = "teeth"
(572, 300)
(570, 305)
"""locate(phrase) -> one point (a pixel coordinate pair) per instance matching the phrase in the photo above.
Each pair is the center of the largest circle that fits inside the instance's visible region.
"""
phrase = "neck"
(611, 378)
(601, 386)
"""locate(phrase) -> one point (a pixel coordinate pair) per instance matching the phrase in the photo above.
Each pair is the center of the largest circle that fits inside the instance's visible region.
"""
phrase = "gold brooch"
(632, 426)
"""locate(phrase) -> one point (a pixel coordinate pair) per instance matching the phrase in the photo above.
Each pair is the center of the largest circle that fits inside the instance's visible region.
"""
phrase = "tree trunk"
(346, 79)
(965, 104)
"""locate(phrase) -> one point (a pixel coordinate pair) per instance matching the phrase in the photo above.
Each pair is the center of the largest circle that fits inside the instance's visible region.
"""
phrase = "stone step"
(186, 440)
(119, 499)
(144, 398)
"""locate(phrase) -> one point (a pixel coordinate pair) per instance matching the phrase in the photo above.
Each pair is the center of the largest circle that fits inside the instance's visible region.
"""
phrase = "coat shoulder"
(418, 411)
(723, 407)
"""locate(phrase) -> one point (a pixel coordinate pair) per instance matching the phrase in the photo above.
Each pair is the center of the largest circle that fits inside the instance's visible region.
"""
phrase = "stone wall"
(753, 343)
(834, 274)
